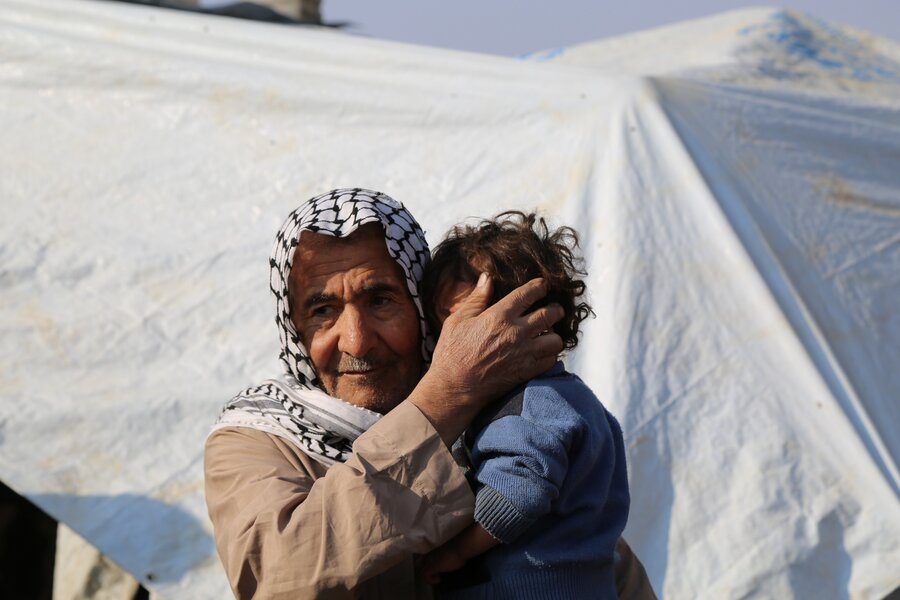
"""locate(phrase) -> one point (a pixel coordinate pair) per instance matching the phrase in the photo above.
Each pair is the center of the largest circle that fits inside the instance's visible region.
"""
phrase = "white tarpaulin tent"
(736, 181)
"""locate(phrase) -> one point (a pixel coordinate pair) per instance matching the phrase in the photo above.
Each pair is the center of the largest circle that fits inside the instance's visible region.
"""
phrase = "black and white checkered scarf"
(296, 407)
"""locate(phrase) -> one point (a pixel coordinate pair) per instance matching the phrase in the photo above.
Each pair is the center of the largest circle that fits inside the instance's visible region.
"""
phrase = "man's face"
(351, 307)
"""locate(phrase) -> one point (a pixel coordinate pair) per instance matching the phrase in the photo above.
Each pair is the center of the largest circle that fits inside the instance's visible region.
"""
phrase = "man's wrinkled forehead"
(316, 248)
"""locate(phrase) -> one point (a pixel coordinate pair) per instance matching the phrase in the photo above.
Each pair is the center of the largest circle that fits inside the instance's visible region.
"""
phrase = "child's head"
(513, 248)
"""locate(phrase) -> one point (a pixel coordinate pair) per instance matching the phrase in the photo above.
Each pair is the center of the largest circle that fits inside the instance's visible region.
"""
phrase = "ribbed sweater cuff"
(499, 516)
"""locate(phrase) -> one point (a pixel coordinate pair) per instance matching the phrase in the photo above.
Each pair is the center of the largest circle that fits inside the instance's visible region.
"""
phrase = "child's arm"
(473, 540)
(524, 451)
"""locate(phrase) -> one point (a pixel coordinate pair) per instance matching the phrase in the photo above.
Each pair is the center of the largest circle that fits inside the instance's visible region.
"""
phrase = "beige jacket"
(287, 526)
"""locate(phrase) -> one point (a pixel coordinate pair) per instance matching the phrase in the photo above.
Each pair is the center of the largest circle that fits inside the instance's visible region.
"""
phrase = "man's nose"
(356, 336)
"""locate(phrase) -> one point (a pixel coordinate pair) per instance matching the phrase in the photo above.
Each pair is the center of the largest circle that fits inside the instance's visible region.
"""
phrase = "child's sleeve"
(522, 459)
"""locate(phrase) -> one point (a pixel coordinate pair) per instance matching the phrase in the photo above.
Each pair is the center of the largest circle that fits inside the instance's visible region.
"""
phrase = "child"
(547, 462)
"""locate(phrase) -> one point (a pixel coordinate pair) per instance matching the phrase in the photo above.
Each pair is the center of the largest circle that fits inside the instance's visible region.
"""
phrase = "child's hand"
(445, 559)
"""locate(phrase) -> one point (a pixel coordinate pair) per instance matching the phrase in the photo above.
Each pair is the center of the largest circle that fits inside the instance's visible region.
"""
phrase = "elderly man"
(312, 496)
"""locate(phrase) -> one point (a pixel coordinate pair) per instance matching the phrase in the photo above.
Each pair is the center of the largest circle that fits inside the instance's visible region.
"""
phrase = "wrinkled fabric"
(289, 527)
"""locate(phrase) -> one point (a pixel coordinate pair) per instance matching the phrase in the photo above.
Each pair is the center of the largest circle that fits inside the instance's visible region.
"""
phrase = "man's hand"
(445, 559)
(453, 555)
(483, 353)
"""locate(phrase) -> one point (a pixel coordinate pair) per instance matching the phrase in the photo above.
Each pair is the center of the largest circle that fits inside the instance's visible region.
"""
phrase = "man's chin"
(369, 395)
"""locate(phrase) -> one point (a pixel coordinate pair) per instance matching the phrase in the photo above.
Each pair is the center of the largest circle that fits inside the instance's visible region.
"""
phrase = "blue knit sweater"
(548, 468)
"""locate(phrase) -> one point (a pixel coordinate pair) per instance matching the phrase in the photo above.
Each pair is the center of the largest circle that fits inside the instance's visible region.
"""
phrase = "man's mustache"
(353, 364)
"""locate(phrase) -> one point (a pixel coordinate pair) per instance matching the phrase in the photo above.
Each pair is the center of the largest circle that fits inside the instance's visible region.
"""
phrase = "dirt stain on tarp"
(839, 192)
(45, 327)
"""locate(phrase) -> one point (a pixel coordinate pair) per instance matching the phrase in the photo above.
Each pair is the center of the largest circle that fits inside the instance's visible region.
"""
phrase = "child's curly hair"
(513, 248)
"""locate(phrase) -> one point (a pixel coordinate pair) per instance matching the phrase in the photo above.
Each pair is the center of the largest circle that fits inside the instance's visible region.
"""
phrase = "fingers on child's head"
(513, 248)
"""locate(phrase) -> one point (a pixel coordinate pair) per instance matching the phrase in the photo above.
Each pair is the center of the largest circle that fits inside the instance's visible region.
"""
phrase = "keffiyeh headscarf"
(296, 407)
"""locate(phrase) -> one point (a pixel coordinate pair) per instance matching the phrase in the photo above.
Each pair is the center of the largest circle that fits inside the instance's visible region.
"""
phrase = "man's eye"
(381, 300)
(322, 311)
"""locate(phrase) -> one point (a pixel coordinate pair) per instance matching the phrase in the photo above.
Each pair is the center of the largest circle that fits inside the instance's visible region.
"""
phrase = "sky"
(516, 27)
